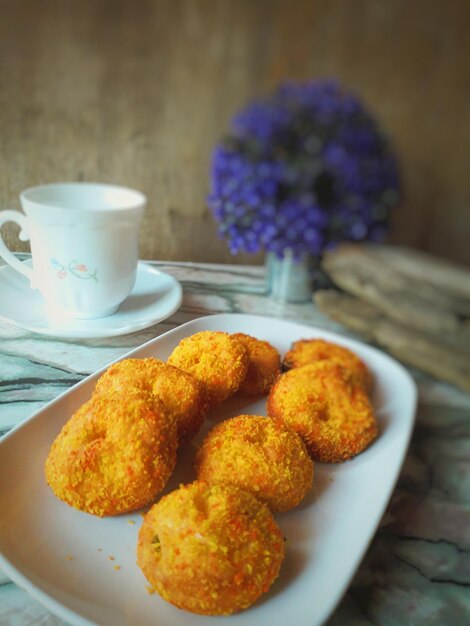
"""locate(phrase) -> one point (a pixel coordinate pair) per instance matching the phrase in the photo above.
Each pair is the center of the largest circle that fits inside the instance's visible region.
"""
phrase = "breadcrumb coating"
(182, 395)
(211, 550)
(307, 351)
(114, 455)
(263, 368)
(258, 455)
(216, 359)
(333, 415)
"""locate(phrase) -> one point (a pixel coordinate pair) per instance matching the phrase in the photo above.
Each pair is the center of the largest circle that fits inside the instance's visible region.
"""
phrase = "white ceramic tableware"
(67, 559)
(155, 296)
(84, 245)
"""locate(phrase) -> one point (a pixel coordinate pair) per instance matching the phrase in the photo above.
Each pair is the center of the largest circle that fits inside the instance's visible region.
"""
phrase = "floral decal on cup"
(74, 268)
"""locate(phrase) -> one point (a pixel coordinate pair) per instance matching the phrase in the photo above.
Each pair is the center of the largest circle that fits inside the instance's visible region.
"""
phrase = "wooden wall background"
(138, 91)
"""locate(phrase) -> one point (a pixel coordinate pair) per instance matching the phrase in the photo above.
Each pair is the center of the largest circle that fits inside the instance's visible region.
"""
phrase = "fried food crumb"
(333, 415)
(307, 351)
(181, 395)
(260, 455)
(212, 550)
(114, 455)
(218, 360)
(264, 365)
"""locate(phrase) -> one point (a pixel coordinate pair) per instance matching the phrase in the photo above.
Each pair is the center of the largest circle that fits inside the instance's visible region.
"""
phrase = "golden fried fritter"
(211, 550)
(137, 374)
(263, 368)
(114, 455)
(218, 360)
(181, 394)
(259, 455)
(308, 351)
(333, 415)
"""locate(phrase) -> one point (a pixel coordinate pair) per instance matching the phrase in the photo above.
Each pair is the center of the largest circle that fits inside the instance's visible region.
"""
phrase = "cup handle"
(22, 221)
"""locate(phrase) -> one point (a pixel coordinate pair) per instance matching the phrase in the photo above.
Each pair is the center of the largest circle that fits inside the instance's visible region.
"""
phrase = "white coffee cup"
(84, 245)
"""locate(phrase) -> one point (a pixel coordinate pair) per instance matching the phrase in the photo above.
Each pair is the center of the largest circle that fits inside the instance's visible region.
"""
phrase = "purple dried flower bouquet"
(302, 171)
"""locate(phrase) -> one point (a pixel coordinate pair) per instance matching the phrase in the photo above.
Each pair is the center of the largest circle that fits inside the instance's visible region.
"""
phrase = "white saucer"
(155, 297)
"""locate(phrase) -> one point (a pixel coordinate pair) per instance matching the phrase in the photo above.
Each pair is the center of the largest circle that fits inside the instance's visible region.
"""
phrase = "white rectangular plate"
(68, 560)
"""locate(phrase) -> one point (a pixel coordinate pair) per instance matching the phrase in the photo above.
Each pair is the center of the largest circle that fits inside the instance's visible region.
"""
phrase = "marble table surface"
(417, 569)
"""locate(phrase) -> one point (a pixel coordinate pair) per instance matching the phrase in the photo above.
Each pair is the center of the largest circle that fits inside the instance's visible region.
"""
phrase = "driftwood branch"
(414, 306)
